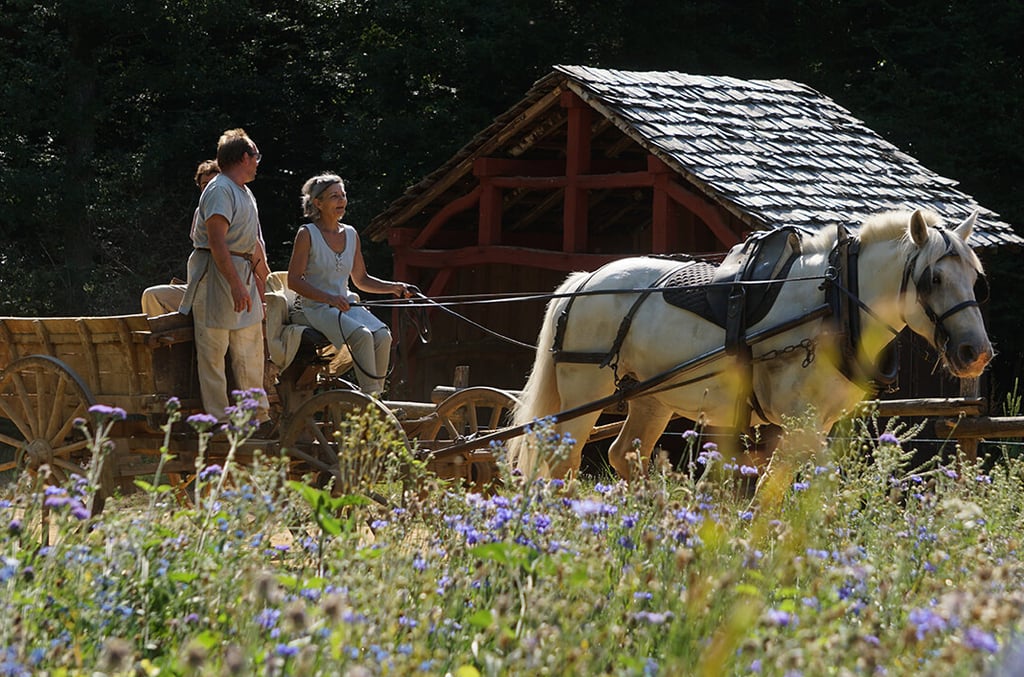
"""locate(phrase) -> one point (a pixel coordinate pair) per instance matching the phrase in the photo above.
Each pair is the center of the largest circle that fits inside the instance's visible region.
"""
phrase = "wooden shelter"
(596, 164)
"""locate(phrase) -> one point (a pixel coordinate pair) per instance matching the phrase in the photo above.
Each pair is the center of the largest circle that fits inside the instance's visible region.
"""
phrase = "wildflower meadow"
(848, 560)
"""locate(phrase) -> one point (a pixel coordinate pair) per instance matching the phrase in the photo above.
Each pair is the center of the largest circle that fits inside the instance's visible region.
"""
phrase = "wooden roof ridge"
(771, 152)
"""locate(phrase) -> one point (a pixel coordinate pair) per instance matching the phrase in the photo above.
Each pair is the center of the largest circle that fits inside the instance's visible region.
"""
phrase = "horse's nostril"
(967, 353)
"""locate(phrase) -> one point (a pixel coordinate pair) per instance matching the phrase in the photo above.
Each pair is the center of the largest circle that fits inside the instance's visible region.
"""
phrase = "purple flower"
(801, 486)
(210, 471)
(202, 422)
(926, 621)
(286, 651)
(267, 618)
(780, 618)
(79, 511)
(587, 506)
(103, 411)
(690, 434)
(888, 438)
(977, 639)
(56, 501)
(652, 618)
(748, 470)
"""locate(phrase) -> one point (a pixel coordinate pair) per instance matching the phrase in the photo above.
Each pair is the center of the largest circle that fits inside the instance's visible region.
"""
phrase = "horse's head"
(948, 283)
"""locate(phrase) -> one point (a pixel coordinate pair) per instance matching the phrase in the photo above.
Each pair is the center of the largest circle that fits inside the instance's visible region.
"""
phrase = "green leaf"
(481, 619)
(182, 576)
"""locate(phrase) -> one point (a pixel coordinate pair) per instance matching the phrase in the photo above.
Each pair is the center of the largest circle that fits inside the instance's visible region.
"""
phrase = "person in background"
(325, 256)
(166, 298)
(227, 273)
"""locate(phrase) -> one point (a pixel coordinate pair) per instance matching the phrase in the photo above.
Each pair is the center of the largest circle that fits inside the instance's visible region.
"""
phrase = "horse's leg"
(579, 384)
(579, 430)
(644, 424)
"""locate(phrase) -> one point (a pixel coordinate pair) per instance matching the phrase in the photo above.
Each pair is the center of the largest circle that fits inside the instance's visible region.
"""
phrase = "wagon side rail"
(127, 361)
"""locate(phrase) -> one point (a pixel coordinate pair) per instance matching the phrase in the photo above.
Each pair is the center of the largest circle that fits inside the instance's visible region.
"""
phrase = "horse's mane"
(892, 226)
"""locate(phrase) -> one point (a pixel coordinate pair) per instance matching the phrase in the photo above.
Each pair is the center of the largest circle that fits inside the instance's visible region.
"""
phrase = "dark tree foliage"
(107, 106)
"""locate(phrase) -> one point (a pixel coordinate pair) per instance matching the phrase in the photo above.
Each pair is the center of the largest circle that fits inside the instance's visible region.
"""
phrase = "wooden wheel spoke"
(11, 441)
(65, 464)
(471, 411)
(69, 423)
(56, 409)
(26, 406)
(70, 448)
(8, 466)
(452, 427)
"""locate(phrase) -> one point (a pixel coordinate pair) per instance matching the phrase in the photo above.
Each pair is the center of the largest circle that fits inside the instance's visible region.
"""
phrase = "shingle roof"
(771, 152)
(775, 149)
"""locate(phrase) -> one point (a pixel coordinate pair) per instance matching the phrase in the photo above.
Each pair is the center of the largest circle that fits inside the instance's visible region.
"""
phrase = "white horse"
(912, 272)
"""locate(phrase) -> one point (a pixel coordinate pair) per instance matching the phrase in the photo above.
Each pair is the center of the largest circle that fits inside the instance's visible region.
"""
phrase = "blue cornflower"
(888, 438)
(781, 618)
(977, 639)
(801, 486)
(587, 506)
(267, 618)
(926, 621)
(285, 650)
(201, 422)
(210, 471)
(653, 618)
(418, 563)
(103, 411)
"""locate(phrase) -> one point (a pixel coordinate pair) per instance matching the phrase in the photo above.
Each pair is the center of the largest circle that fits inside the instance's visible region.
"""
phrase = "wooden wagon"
(52, 370)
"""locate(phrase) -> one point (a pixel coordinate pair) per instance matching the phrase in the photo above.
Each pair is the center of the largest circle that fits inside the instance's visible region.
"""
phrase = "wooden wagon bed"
(129, 361)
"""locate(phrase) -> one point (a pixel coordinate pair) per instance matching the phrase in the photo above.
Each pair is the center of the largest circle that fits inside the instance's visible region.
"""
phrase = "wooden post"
(969, 387)
(577, 162)
(461, 378)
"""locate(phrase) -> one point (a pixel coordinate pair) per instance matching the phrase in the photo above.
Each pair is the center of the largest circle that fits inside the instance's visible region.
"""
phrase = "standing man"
(227, 274)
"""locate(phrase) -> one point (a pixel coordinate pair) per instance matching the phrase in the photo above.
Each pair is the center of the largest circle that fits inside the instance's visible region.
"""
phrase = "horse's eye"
(936, 279)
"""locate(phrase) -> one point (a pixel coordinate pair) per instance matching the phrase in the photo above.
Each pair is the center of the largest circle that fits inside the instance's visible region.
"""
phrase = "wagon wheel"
(355, 458)
(467, 414)
(42, 397)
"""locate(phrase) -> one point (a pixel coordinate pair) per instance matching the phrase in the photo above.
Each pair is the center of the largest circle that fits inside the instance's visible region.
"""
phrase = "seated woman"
(325, 255)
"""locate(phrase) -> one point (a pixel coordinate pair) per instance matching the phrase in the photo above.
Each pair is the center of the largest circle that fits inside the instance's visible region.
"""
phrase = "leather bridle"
(923, 286)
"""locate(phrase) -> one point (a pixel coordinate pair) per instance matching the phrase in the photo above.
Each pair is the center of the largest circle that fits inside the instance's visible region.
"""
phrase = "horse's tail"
(540, 396)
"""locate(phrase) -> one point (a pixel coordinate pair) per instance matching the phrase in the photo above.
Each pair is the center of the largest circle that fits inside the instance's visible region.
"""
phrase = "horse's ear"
(919, 228)
(965, 229)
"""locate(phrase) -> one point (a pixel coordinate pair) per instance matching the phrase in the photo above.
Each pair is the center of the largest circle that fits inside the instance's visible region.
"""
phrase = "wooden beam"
(705, 212)
(467, 201)
(981, 426)
(541, 208)
(585, 181)
(540, 131)
(447, 259)
(495, 166)
(488, 147)
(489, 226)
(664, 237)
(577, 162)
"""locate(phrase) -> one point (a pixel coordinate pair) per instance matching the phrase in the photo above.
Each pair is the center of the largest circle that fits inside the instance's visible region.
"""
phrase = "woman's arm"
(374, 285)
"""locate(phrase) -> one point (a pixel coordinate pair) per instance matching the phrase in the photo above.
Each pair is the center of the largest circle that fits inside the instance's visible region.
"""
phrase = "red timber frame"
(576, 177)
